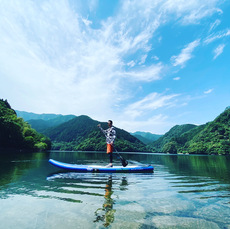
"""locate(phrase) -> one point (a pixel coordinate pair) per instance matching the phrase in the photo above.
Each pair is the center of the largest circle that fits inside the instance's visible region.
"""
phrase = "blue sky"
(147, 65)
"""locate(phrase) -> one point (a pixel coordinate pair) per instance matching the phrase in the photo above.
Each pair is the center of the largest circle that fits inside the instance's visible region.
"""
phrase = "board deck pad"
(102, 169)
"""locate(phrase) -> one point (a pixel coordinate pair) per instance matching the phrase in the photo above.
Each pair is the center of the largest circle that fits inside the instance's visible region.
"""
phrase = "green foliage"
(170, 147)
(214, 138)
(211, 138)
(15, 133)
(82, 133)
(174, 134)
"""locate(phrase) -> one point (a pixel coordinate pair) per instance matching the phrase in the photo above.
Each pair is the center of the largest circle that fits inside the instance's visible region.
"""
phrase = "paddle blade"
(124, 162)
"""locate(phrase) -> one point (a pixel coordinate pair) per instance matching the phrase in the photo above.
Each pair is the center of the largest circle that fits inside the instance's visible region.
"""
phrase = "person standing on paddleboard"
(110, 135)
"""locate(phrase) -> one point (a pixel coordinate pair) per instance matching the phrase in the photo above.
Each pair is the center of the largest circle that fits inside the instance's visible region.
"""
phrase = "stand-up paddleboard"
(102, 169)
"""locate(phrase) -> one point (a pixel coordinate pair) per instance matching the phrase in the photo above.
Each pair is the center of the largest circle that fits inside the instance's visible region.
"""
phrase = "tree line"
(210, 138)
(15, 133)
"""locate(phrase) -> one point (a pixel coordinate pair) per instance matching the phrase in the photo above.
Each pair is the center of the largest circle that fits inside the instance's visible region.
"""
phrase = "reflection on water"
(106, 213)
(184, 192)
(74, 182)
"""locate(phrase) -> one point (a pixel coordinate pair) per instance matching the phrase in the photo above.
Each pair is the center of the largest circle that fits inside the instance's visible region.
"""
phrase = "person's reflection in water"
(106, 213)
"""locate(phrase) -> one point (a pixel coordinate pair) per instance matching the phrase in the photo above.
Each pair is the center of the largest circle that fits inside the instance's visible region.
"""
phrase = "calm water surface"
(183, 192)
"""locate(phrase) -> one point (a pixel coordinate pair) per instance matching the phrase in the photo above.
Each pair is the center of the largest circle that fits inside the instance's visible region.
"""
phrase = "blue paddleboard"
(102, 169)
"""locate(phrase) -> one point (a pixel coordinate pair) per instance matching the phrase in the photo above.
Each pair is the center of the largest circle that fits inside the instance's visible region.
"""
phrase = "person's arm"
(102, 130)
(113, 135)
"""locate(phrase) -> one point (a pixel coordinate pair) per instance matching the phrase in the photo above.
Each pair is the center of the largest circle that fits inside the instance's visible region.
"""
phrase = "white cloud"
(217, 51)
(151, 102)
(131, 64)
(216, 36)
(146, 74)
(155, 57)
(143, 58)
(196, 15)
(185, 55)
(86, 21)
(92, 4)
(208, 91)
(53, 59)
(176, 78)
(214, 24)
(157, 124)
(54, 64)
(190, 12)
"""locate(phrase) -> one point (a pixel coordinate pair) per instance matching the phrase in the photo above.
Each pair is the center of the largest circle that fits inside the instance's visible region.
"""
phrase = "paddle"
(123, 161)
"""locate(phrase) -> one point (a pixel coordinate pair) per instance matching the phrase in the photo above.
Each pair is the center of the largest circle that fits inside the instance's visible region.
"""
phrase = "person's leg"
(110, 153)
(111, 158)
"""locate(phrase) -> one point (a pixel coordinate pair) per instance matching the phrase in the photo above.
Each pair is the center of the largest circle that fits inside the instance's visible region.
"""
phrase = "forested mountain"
(214, 138)
(41, 122)
(16, 133)
(41, 125)
(210, 138)
(146, 137)
(82, 133)
(69, 132)
(173, 133)
(29, 115)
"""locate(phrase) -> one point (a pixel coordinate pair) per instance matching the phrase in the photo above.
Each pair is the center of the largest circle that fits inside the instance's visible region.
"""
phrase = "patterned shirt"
(110, 134)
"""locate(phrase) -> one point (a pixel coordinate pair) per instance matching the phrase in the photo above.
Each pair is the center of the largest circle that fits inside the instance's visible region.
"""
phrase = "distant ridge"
(29, 115)
(146, 137)
(41, 122)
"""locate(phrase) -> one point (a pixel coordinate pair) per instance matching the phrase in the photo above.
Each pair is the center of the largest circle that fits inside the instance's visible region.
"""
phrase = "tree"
(15, 133)
(170, 147)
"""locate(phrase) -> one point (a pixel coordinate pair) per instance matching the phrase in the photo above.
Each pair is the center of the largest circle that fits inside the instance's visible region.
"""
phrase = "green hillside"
(146, 137)
(214, 138)
(82, 133)
(171, 135)
(16, 133)
(210, 138)
(41, 125)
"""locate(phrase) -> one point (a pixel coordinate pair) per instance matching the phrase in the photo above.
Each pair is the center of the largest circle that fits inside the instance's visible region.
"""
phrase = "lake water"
(184, 192)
